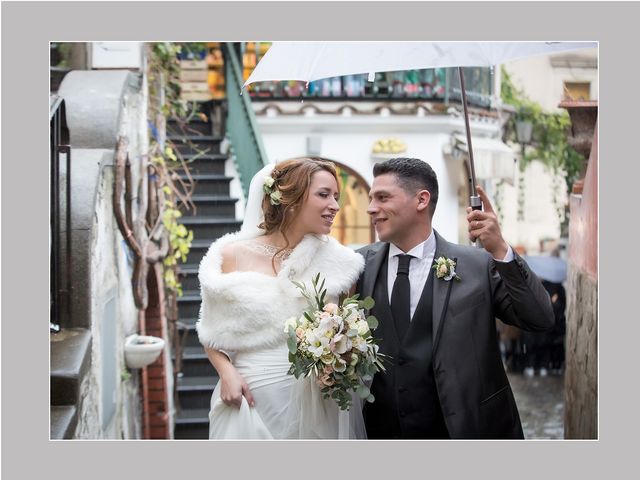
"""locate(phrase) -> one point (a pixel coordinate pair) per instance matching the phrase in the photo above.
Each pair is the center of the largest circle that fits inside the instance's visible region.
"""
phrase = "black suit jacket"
(475, 395)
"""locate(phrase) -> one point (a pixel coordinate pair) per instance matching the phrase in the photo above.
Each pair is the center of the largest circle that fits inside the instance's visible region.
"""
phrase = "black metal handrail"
(60, 279)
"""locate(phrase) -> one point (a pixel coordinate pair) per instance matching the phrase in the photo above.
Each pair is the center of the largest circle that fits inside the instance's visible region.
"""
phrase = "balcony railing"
(60, 213)
(434, 85)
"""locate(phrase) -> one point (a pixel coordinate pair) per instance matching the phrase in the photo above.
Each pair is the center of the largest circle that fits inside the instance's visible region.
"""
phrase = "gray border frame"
(27, 27)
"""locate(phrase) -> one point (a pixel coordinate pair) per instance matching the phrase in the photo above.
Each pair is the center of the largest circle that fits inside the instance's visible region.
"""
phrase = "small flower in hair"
(270, 188)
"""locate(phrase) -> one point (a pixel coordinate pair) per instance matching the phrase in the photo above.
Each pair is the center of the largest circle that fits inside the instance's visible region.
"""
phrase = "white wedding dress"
(243, 313)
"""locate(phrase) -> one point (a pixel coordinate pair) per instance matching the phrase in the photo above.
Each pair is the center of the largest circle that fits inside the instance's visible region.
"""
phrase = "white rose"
(363, 327)
(290, 323)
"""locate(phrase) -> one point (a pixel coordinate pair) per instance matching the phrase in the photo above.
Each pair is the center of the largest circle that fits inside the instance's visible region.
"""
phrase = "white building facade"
(346, 133)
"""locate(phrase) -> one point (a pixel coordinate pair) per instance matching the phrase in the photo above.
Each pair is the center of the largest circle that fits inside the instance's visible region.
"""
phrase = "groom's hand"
(484, 225)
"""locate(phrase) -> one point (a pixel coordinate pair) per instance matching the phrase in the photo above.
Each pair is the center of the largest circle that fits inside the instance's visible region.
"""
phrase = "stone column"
(581, 381)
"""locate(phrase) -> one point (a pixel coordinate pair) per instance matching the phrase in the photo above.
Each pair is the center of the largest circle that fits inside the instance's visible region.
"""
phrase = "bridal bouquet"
(334, 344)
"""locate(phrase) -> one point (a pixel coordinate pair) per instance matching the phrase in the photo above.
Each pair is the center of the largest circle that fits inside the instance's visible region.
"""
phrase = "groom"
(445, 377)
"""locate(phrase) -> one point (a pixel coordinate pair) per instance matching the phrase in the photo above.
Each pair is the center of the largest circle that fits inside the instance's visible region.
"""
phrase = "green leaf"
(368, 303)
(363, 391)
(372, 322)
(292, 344)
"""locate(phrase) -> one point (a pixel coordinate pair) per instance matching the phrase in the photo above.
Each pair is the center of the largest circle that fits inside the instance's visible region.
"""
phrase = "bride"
(248, 294)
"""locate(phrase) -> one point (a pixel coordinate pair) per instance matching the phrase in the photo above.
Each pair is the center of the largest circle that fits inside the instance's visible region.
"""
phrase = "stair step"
(195, 362)
(210, 184)
(213, 205)
(210, 220)
(195, 126)
(189, 296)
(196, 143)
(194, 353)
(195, 138)
(194, 396)
(207, 163)
(204, 198)
(210, 227)
(70, 361)
(189, 304)
(189, 384)
(192, 416)
(187, 327)
(188, 277)
(191, 424)
(63, 420)
(187, 323)
(199, 248)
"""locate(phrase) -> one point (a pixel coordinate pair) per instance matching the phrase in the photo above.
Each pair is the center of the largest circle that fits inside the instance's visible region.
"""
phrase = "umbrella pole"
(474, 199)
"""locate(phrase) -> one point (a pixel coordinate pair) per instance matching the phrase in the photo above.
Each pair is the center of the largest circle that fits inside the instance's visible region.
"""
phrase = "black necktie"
(400, 296)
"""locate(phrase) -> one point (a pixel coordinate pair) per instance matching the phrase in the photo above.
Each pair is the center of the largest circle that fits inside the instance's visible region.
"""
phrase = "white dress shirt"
(419, 267)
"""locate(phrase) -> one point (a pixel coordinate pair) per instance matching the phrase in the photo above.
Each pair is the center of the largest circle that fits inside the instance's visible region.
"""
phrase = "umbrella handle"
(476, 204)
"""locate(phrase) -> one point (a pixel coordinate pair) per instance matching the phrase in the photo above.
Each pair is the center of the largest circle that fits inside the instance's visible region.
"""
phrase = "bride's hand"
(233, 388)
(232, 385)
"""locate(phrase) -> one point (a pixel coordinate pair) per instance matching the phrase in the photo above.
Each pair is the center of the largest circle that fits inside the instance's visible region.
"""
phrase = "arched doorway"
(352, 226)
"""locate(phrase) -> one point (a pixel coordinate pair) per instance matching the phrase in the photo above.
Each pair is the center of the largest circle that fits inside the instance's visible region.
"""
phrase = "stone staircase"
(214, 216)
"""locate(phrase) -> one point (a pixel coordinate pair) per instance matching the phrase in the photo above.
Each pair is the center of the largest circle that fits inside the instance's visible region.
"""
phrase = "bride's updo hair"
(292, 178)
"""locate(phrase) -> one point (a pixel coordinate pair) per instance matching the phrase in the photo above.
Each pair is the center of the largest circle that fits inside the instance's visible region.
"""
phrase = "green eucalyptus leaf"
(292, 344)
(368, 303)
(363, 391)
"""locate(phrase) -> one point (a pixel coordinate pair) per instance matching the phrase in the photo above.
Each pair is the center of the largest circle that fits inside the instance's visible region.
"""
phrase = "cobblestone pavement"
(540, 402)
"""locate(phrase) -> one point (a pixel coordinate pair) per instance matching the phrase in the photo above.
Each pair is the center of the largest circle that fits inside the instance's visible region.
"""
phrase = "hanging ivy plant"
(550, 130)
(549, 143)
(164, 104)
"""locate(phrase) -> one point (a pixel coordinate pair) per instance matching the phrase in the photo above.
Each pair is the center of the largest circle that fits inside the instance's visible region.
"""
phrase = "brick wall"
(155, 395)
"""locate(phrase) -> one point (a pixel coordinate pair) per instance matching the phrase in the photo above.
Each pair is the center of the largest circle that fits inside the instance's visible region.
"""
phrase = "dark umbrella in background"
(547, 267)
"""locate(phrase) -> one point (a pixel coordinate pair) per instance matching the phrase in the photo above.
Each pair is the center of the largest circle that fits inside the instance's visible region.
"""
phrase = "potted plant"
(142, 350)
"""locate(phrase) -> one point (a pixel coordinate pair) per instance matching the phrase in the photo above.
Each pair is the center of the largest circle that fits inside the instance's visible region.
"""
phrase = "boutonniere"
(446, 269)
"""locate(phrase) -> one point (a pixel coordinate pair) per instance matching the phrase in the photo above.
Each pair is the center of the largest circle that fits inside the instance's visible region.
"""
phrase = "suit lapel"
(374, 261)
(441, 290)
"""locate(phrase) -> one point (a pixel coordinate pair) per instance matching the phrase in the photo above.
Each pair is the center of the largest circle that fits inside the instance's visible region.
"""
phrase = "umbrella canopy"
(309, 61)
(549, 268)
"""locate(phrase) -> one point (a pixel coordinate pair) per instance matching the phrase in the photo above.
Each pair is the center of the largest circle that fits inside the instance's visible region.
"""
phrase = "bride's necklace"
(271, 250)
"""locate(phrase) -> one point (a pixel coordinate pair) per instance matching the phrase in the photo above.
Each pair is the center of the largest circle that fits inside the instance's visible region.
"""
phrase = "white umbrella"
(309, 61)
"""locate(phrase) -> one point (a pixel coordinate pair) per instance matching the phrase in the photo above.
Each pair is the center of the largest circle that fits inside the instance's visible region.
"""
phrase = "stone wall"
(101, 106)
(581, 377)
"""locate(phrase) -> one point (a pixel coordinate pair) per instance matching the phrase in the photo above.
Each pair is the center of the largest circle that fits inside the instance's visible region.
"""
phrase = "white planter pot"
(142, 350)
